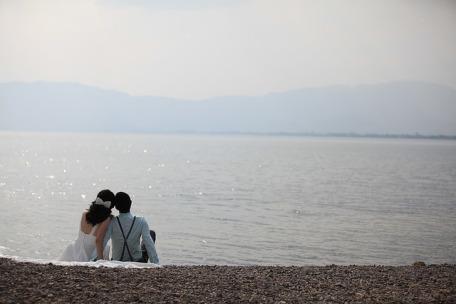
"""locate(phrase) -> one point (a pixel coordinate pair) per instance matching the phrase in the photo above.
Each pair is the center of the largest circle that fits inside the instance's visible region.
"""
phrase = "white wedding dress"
(84, 248)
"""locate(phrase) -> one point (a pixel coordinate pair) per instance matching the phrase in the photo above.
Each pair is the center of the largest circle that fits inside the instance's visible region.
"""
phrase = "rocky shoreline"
(34, 283)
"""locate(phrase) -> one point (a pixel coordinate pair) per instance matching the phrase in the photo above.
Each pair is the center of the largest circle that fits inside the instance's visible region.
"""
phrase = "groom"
(126, 232)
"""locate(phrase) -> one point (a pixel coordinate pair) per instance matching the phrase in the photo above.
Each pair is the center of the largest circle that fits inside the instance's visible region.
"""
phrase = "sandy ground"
(34, 283)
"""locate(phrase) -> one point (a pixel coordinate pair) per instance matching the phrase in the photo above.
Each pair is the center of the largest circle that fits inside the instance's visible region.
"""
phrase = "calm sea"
(238, 199)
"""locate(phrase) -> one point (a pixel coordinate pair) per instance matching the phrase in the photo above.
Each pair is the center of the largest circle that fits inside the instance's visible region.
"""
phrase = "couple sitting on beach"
(125, 230)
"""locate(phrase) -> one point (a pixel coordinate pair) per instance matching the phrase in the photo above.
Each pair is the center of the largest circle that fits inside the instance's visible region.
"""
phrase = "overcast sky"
(203, 48)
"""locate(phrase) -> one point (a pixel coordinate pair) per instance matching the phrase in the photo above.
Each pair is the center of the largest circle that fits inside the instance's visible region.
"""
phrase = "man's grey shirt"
(140, 229)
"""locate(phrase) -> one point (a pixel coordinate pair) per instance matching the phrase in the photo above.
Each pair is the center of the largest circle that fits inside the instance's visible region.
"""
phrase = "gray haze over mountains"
(389, 108)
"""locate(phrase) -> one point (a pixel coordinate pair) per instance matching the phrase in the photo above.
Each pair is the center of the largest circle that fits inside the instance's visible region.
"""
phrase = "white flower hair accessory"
(99, 201)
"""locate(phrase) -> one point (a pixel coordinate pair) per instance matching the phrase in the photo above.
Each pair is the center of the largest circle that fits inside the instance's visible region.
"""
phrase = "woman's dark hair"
(98, 213)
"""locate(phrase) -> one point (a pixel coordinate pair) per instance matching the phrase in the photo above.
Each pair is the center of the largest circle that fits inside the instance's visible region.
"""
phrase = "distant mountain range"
(388, 108)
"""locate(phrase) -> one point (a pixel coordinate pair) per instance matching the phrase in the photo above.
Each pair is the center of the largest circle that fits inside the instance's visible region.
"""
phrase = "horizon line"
(415, 135)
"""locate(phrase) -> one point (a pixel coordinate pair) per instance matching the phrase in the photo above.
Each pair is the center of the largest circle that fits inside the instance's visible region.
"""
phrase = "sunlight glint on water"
(238, 200)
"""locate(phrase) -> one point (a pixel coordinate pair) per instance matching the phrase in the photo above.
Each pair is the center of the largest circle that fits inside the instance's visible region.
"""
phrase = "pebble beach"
(22, 282)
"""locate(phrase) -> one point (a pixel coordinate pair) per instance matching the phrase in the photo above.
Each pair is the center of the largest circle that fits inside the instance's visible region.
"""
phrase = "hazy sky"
(203, 48)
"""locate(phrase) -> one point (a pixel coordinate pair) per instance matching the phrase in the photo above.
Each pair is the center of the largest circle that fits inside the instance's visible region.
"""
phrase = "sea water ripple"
(238, 200)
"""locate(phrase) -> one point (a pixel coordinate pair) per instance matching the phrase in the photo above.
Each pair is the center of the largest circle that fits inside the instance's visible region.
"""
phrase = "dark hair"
(98, 213)
(123, 202)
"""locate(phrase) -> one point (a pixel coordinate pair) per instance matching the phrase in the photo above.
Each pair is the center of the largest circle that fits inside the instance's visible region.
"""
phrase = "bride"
(94, 223)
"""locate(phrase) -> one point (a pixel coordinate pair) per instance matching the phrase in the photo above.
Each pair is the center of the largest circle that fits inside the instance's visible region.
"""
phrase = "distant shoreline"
(265, 134)
(404, 109)
(342, 135)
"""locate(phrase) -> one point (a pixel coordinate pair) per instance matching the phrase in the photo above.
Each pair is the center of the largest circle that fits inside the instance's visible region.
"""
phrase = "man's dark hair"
(123, 202)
